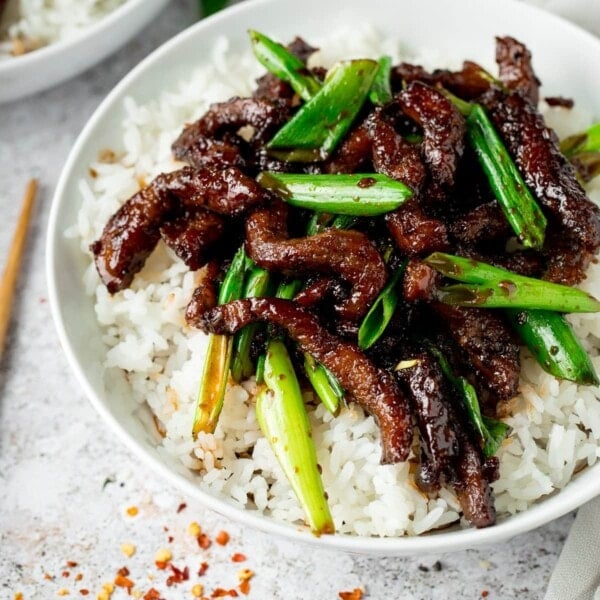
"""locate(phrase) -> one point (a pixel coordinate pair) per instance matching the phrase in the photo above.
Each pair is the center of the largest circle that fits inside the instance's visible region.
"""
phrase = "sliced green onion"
(282, 417)
(381, 89)
(358, 195)
(325, 384)
(316, 129)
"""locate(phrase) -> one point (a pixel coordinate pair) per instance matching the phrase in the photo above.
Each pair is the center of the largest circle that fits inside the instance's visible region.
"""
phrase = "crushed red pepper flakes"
(123, 571)
(65, 573)
(355, 594)
(48, 577)
(222, 538)
(178, 576)
(181, 507)
(152, 594)
(204, 541)
(72, 563)
(161, 564)
(124, 582)
(222, 593)
(203, 568)
(245, 587)
(238, 557)
(170, 539)
(79, 577)
(485, 594)
(84, 591)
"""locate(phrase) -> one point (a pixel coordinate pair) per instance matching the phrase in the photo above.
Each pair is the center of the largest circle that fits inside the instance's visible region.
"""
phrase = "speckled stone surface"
(66, 481)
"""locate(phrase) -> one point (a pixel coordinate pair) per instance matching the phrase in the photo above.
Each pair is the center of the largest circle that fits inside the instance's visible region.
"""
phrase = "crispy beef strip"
(487, 345)
(468, 83)
(192, 235)
(483, 223)
(515, 69)
(206, 294)
(134, 230)
(371, 387)
(419, 281)
(574, 220)
(227, 118)
(427, 393)
(349, 254)
(443, 129)
(130, 236)
(353, 153)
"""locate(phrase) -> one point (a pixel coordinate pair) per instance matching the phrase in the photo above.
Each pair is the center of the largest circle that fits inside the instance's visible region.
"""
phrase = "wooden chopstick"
(13, 264)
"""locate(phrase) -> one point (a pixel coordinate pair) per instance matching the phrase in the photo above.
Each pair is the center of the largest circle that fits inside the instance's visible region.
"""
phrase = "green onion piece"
(587, 165)
(282, 417)
(218, 355)
(260, 369)
(380, 313)
(281, 62)
(358, 195)
(518, 204)
(325, 384)
(508, 293)
(315, 130)
(381, 89)
(258, 283)
(209, 7)
(498, 288)
(321, 221)
(492, 431)
(586, 141)
(554, 345)
(463, 106)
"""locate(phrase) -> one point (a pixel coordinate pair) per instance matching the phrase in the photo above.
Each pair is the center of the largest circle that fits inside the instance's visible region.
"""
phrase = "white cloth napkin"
(577, 573)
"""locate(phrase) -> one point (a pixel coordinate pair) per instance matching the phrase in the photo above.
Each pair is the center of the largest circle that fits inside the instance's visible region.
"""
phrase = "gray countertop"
(66, 482)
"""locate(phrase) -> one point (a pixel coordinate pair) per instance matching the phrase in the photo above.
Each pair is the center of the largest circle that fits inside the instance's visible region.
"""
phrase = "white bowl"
(562, 53)
(38, 70)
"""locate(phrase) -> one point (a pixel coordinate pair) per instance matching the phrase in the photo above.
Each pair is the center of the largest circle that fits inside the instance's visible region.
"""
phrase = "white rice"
(556, 425)
(36, 23)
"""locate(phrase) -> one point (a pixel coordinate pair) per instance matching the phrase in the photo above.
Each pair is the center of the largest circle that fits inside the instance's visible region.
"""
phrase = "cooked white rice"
(556, 425)
(30, 24)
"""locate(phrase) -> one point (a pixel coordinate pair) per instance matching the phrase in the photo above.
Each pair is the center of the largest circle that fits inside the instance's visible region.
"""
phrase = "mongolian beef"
(390, 236)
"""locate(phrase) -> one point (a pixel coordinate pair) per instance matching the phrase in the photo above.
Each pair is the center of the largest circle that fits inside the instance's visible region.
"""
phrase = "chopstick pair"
(13, 263)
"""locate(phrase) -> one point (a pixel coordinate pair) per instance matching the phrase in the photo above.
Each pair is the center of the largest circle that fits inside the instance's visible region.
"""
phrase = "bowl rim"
(582, 487)
(55, 49)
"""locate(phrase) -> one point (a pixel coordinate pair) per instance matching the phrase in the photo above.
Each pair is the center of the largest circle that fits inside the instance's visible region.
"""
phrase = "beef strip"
(206, 294)
(192, 235)
(515, 69)
(349, 254)
(574, 219)
(487, 345)
(371, 387)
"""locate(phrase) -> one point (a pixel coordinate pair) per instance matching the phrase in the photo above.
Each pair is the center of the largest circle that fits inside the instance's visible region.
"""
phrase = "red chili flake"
(238, 557)
(84, 592)
(485, 594)
(152, 594)
(124, 582)
(123, 572)
(178, 576)
(181, 507)
(65, 573)
(48, 577)
(161, 565)
(170, 539)
(203, 541)
(222, 538)
(222, 593)
(245, 587)
(71, 563)
(203, 568)
(79, 577)
(355, 594)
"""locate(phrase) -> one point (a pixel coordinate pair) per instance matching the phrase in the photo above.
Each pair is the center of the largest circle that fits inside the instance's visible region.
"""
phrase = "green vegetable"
(209, 7)
(587, 141)
(356, 195)
(518, 204)
(554, 345)
(381, 89)
(258, 283)
(380, 313)
(321, 221)
(325, 384)
(218, 355)
(492, 431)
(315, 130)
(498, 288)
(282, 417)
(282, 63)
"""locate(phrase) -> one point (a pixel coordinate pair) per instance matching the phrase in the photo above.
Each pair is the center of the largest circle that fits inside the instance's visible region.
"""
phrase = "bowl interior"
(561, 54)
